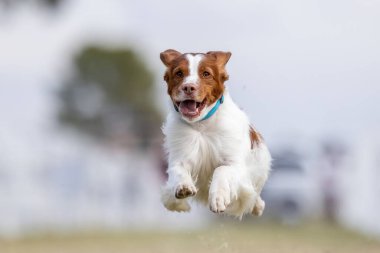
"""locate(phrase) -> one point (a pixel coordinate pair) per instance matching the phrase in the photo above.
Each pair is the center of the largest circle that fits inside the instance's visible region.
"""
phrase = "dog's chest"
(207, 154)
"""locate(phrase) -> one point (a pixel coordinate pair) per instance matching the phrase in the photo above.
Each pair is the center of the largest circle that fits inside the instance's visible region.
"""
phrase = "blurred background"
(82, 100)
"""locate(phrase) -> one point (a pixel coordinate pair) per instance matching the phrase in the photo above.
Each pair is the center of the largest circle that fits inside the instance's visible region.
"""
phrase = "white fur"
(194, 61)
(214, 159)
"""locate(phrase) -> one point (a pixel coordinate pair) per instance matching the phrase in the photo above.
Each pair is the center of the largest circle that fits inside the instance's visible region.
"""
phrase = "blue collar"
(214, 109)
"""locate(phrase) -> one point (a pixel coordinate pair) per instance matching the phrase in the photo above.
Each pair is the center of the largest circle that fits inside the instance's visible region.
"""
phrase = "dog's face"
(195, 81)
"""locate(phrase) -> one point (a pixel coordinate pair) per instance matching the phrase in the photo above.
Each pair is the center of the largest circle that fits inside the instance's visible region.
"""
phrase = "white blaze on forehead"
(194, 61)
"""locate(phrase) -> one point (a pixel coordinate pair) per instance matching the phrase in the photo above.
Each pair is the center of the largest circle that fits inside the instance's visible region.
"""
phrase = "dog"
(214, 154)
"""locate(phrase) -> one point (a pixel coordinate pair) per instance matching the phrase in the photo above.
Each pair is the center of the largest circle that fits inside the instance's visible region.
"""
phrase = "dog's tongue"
(188, 107)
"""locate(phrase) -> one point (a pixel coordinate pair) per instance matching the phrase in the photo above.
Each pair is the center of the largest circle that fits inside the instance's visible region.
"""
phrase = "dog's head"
(195, 81)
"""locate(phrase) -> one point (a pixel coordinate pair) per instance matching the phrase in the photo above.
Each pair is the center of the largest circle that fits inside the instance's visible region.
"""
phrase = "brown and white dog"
(214, 154)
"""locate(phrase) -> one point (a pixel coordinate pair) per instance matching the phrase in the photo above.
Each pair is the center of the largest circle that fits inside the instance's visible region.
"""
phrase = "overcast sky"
(310, 68)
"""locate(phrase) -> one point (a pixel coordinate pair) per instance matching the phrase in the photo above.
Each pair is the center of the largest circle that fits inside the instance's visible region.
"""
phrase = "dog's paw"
(185, 190)
(219, 201)
(171, 203)
(259, 207)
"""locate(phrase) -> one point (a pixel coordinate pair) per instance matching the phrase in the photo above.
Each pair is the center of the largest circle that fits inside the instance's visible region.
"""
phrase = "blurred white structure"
(74, 184)
(293, 192)
(360, 186)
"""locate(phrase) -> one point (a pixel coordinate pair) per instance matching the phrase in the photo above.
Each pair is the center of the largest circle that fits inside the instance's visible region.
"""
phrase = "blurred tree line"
(46, 3)
(109, 96)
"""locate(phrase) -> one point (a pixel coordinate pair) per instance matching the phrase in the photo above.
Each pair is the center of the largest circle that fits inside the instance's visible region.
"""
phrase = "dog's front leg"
(223, 188)
(180, 181)
(179, 186)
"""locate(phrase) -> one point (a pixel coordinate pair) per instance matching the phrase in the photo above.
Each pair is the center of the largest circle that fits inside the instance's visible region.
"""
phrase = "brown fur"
(255, 137)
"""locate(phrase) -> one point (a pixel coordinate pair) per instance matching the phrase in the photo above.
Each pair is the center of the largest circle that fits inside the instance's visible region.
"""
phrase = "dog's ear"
(168, 56)
(220, 57)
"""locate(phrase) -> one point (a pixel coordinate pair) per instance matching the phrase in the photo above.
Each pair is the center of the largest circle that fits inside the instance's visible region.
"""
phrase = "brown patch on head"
(255, 137)
(177, 69)
(213, 74)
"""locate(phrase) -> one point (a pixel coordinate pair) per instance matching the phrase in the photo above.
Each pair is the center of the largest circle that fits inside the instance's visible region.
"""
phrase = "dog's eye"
(179, 74)
(206, 74)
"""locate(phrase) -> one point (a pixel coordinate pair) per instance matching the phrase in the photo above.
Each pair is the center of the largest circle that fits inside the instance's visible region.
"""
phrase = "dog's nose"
(189, 88)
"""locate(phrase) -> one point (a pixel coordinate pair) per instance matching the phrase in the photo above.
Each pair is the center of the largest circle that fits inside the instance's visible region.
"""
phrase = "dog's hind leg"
(259, 207)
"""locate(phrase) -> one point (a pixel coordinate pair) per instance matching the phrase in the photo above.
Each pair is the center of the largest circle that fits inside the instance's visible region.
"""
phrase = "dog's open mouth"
(191, 108)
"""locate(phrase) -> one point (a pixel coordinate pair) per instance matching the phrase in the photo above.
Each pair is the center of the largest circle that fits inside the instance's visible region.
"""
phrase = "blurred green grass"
(225, 237)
